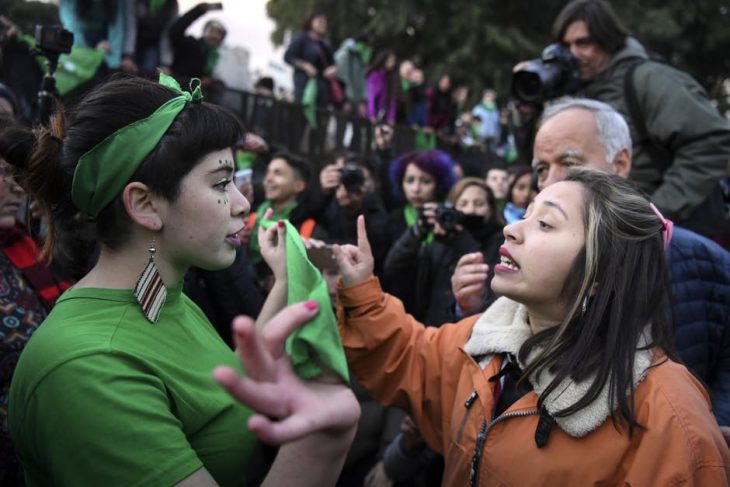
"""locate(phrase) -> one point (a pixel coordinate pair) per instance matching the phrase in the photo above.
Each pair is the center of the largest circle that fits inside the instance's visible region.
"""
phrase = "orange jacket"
(429, 373)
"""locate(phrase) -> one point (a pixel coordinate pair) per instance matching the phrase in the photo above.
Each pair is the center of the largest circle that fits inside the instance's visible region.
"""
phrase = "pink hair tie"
(668, 226)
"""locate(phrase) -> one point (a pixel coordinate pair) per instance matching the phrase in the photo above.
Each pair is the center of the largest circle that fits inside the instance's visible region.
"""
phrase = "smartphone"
(322, 258)
(242, 176)
(215, 6)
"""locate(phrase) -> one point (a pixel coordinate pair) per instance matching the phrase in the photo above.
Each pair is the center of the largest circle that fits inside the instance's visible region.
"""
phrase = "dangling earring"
(585, 305)
(150, 291)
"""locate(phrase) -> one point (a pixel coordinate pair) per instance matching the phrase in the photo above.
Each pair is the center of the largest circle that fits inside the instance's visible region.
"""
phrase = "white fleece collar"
(503, 328)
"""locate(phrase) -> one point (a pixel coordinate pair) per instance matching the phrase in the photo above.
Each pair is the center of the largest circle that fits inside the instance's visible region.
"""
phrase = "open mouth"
(234, 238)
(508, 263)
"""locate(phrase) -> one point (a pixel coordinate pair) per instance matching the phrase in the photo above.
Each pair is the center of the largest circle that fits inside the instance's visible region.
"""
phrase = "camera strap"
(657, 152)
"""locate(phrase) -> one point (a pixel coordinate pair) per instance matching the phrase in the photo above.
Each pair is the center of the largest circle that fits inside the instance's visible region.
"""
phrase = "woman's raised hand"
(272, 242)
(356, 263)
(301, 407)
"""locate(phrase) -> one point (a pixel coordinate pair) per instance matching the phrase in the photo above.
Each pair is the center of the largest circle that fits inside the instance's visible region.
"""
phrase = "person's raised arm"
(177, 30)
(356, 263)
(314, 420)
(273, 251)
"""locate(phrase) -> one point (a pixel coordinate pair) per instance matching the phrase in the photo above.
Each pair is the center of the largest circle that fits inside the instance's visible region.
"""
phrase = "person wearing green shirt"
(121, 385)
(286, 179)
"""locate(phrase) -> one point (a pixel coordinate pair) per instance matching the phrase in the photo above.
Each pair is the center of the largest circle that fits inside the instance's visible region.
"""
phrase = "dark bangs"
(199, 130)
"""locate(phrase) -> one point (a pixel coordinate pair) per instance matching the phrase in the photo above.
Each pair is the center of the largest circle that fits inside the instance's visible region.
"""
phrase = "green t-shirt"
(102, 397)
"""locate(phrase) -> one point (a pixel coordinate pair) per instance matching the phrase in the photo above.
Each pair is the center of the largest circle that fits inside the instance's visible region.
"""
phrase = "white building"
(233, 67)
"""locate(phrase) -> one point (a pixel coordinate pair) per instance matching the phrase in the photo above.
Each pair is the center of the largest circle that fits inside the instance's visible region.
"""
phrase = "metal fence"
(282, 124)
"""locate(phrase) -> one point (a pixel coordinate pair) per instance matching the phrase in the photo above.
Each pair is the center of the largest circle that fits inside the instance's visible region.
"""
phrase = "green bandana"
(102, 173)
(410, 214)
(424, 140)
(156, 5)
(365, 51)
(211, 60)
(309, 102)
(245, 159)
(317, 343)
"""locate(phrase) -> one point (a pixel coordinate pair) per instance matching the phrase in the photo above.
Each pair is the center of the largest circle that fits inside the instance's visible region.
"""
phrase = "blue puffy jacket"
(700, 277)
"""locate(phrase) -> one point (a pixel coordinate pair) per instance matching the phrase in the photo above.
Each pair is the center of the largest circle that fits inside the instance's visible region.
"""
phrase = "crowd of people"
(187, 303)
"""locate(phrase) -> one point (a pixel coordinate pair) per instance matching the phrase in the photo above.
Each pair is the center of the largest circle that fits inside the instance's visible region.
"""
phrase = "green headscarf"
(102, 173)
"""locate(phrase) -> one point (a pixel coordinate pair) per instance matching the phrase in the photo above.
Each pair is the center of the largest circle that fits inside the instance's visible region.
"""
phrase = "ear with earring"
(150, 291)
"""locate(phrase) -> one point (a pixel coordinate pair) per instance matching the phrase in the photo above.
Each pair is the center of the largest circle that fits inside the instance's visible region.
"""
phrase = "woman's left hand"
(302, 407)
(273, 246)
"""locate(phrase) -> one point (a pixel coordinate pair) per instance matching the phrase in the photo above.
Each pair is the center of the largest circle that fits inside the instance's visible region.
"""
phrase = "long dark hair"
(603, 24)
(47, 174)
(622, 272)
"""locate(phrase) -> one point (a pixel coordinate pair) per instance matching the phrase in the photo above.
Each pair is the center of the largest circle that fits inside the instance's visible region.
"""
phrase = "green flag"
(318, 341)
(309, 102)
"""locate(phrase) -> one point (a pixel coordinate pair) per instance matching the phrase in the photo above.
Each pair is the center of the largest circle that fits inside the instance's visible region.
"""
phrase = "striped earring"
(150, 291)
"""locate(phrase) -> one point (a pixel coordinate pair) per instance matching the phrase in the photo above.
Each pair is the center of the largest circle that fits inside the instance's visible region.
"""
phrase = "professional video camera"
(352, 177)
(555, 73)
(51, 42)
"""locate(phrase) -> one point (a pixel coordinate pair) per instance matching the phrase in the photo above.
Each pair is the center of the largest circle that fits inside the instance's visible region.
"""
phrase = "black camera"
(555, 73)
(448, 217)
(53, 39)
(352, 178)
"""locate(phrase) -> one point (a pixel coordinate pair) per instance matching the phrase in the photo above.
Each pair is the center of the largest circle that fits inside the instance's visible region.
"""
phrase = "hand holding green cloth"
(317, 342)
(309, 102)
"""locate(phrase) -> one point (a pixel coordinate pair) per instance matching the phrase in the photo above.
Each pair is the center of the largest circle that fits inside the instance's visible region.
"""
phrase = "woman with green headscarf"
(118, 385)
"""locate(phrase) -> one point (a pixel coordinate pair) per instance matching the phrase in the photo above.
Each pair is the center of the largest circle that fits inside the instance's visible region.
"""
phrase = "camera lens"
(352, 178)
(526, 86)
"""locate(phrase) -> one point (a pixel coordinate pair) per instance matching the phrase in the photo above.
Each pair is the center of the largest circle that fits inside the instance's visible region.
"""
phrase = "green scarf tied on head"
(102, 173)
(317, 343)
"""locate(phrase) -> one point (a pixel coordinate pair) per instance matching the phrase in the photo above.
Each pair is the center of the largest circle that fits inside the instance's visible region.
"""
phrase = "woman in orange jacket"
(568, 379)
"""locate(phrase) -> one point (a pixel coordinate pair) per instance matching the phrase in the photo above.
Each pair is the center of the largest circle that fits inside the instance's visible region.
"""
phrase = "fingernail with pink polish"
(280, 223)
(311, 305)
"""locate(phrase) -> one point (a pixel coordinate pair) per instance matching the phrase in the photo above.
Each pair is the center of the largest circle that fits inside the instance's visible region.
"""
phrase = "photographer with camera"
(348, 190)
(467, 222)
(681, 143)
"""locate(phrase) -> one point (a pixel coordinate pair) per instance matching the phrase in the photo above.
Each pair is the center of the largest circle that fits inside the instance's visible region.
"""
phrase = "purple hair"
(437, 164)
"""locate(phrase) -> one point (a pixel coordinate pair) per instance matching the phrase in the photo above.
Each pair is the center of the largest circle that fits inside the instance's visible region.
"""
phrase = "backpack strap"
(657, 152)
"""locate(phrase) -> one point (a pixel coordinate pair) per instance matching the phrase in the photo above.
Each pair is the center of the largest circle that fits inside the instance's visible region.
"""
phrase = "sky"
(248, 26)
